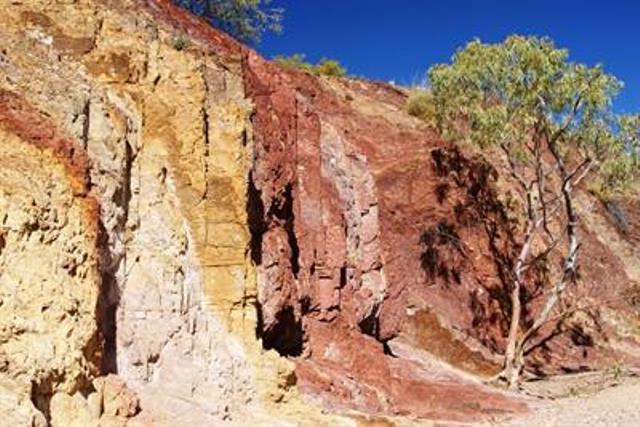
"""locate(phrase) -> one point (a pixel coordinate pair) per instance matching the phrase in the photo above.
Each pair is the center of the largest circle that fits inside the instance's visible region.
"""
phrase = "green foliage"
(326, 66)
(617, 370)
(181, 42)
(421, 104)
(509, 93)
(621, 166)
(330, 67)
(244, 19)
(297, 61)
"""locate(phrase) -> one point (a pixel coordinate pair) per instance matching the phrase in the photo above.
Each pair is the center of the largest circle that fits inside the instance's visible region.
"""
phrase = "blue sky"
(398, 39)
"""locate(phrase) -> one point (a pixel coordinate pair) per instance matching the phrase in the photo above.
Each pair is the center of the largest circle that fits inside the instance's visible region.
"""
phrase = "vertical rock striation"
(160, 138)
(190, 235)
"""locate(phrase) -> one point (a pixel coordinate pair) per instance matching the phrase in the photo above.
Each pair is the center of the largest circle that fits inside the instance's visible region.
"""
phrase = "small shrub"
(617, 371)
(181, 42)
(421, 105)
(298, 61)
(330, 67)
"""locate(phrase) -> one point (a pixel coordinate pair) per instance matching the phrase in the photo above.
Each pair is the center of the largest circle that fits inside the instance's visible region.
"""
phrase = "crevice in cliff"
(112, 250)
(343, 276)
(286, 336)
(41, 399)
(108, 302)
(256, 220)
(284, 212)
(86, 112)
(205, 131)
(280, 214)
(387, 349)
(42, 392)
(370, 325)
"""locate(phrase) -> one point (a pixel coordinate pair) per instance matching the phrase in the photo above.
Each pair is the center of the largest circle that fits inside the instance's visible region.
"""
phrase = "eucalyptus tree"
(552, 121)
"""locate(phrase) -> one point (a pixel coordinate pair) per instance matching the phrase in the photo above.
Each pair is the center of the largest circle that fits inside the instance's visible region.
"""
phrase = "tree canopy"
(502, 94)
(245, 19)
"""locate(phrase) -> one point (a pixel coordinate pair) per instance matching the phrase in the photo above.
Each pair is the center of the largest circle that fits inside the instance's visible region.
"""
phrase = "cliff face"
(189, 234)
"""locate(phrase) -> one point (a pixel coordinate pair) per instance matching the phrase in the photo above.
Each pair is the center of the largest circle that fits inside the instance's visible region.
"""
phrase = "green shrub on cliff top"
(330, 67)
(325, 67)
(296, 61)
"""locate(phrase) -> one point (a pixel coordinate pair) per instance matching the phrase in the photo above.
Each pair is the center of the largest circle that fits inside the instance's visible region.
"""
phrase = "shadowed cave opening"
(370, 325)
(286, 336)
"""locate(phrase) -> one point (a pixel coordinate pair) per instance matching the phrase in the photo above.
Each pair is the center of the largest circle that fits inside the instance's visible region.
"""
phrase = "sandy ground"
(613, 404)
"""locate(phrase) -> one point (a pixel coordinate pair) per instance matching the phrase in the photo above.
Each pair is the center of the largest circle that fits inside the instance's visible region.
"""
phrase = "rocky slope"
(191, 235)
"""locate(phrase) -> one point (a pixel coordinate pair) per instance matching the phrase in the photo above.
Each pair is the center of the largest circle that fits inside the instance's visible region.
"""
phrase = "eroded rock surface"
(49, 262)
(190, 235)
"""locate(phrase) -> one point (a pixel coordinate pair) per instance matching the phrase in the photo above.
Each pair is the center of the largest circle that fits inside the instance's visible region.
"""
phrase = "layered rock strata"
(190, 235)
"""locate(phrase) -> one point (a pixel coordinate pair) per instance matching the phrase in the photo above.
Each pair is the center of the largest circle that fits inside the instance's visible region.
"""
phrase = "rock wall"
(159, 138)
(50, 280)
(190, 235)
